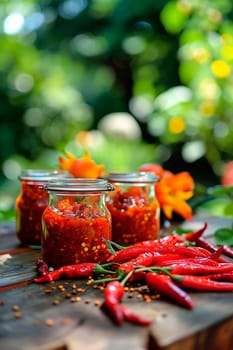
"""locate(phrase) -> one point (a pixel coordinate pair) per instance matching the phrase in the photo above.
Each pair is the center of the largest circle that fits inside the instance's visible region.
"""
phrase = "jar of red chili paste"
(30, 204)
(134, 208)
(76, 223)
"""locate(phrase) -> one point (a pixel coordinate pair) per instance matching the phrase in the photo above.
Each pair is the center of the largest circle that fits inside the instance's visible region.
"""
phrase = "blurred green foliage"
(65, 64)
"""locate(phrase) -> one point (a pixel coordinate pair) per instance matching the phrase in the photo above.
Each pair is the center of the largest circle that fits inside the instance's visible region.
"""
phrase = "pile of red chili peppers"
(170, 266)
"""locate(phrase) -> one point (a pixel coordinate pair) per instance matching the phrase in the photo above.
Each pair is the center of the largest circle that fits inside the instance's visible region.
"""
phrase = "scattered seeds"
(49, 322)
(75, 299)
(68, 295)
(97, 302)
(89, 282)
(15, 308)
(48, 291)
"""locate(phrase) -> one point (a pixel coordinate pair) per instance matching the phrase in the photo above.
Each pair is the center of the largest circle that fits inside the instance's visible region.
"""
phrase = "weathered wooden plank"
(73, 321)
(219, 336)
(36, 306)
(18, 267)
(210, 309)
(8, 238)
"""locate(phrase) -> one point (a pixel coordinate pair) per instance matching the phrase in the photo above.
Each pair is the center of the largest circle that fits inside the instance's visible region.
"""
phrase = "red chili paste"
(134, 217)
(74, 233)
(30, 205)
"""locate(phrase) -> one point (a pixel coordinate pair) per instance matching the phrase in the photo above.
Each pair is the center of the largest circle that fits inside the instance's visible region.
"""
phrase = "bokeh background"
(132, 81)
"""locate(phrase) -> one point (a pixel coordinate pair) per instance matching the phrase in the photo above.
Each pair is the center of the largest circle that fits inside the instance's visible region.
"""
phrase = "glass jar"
(76, 223)
(134, 208)
(30, 204)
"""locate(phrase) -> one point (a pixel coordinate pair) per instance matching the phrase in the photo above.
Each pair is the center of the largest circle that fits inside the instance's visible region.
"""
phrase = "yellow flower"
(221, 69)
(176, 125)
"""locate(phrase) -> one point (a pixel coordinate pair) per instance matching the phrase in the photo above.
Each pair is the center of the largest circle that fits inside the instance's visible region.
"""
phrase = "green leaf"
(181, 230)
(220, 190)
(228, 210)
(224, 236)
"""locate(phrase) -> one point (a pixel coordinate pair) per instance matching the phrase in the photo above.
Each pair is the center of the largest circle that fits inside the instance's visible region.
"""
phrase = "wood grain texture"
(18, 267)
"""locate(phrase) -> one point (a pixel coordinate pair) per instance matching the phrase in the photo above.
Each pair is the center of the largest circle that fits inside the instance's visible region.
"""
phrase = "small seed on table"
(49, 322)
(15, 308)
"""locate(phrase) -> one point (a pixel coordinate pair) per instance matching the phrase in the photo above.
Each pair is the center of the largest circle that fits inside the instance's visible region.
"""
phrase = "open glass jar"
(31, 202)
(76, 223)
(134, 208)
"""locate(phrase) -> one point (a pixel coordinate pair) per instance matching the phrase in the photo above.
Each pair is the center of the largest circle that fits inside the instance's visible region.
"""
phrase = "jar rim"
(41, 174)
(77, 185)
(131, 177)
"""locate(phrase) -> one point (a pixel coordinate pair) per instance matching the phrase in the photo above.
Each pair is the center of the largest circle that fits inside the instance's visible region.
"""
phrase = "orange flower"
(81, 167)
(172, 191)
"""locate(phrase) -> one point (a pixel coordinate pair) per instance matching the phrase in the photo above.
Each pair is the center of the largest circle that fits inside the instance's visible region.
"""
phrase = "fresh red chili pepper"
(160, 258)
(198, 269)
(216, 255)
(187, 261)
(165, 286)
(138, 276)
(184, 251)
(113, 294)
(196, 237)
(144, 259)
(154, 258)
(171, 239)
(181, 250)
(204, 284)
(227, 251)
(193, 236)
(226, 276)
(145, 246)
(71, 271)
(134, 318)
(128, 253)
(203, 243)
(42, 267)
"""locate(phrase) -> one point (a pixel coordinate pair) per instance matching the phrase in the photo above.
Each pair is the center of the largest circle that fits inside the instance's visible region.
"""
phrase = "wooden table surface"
(66, 315)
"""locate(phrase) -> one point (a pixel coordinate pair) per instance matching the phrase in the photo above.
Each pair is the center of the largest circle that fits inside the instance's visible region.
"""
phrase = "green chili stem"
(125, 279)
(166, 270)
(118, 246)
(100, 269)
(110, 247)
(120, 275)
